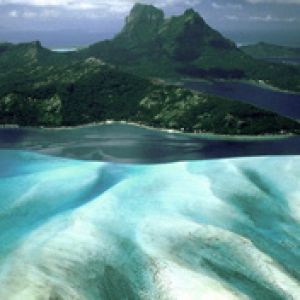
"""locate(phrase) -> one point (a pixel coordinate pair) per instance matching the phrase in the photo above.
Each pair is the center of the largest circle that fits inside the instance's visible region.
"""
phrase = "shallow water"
(115, 224)
(218, 229)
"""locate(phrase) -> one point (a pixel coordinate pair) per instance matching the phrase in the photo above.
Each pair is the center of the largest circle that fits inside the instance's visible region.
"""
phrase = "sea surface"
(64, 50)
(283, 103)
(280, 36)
(134, 144)
(284, 60)
(123, 212)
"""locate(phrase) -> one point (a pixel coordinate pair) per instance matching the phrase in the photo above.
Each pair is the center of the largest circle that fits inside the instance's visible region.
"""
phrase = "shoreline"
(204, 135)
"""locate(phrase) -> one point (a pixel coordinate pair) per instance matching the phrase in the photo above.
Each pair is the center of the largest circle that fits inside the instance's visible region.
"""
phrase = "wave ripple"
(220, 229)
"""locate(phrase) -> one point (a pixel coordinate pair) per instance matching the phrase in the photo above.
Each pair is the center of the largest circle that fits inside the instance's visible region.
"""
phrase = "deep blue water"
(284, 60)
(283, 103)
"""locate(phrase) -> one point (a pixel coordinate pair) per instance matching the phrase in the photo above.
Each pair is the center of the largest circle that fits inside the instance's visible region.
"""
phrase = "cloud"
(114, 11)
(274, 1)
(81, 9)
(30, 14)
(13, 14)
(232, 18)
(34, 2)
(267, 18)
(93, 4)
(216, 5)
(270, 18)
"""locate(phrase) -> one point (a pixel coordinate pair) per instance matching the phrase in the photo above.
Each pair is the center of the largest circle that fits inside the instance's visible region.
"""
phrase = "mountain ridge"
(148, 39)
(184, 46)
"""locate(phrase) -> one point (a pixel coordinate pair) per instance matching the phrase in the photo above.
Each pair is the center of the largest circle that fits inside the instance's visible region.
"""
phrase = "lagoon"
(126, 143)
(283, 103)
(217, 229)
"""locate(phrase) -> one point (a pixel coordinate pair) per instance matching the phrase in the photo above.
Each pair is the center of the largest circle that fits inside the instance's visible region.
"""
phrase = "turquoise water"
(217, 229)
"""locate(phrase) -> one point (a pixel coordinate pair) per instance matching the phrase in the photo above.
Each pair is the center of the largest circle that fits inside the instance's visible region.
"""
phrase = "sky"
(79, 23)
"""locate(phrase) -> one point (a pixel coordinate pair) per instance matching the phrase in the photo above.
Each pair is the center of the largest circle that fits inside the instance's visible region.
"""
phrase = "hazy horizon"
(67, 24)
(69, 39)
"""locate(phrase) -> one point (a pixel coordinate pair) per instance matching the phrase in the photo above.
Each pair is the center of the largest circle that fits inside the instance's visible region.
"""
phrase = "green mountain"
(179, 45)
(43, 88)
(26, 63)
(184, 46)
(28, 55)
(264, 50)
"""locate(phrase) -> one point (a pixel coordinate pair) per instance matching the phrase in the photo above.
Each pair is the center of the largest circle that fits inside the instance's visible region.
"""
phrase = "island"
(123, 80)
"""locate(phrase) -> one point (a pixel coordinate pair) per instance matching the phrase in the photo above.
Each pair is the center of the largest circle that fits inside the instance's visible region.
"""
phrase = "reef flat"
(218, 229)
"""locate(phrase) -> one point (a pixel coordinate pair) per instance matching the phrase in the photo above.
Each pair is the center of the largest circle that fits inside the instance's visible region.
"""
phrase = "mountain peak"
(36, 44)
(142, 23)
(146, 13)
(192, 15)
(181, 44)
(141, 6)
(191, 12)
(31, 45)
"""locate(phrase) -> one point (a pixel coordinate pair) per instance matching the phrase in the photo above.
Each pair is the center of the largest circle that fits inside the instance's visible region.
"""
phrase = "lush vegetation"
(153, 46)
(173, 107)
(46, 89)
